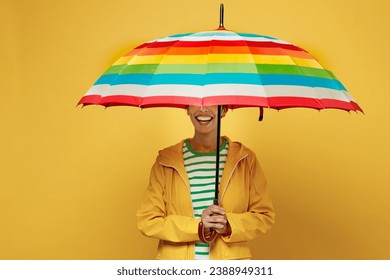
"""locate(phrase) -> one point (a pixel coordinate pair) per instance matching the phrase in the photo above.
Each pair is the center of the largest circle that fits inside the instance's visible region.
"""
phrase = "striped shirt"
(200, 168)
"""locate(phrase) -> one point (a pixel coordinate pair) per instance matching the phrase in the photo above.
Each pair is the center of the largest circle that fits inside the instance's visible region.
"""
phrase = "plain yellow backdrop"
(71, 178)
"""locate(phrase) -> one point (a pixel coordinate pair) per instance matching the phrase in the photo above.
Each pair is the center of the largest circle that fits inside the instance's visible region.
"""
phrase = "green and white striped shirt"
(200, 168)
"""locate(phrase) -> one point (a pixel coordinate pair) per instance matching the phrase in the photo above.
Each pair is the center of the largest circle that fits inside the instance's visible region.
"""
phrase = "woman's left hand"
(214, 218)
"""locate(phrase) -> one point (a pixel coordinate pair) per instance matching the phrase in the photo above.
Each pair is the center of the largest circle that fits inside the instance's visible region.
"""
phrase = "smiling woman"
(178, 207)
(71, 180)
(205, 121)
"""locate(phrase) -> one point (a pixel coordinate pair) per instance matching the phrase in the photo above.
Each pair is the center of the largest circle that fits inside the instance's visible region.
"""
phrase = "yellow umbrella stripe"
(218, 58)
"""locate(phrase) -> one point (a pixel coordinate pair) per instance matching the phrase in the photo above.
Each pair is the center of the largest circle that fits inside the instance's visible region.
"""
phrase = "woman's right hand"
(214, 218)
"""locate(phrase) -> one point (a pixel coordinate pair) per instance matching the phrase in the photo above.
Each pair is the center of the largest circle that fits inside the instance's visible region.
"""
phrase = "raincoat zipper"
(231, 174)
(184, 181)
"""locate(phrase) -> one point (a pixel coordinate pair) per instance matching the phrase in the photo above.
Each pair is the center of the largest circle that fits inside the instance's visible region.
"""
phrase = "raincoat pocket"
(173, 251)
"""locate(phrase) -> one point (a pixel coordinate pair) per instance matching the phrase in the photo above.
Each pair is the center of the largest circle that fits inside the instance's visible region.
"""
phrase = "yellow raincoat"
(166, 209)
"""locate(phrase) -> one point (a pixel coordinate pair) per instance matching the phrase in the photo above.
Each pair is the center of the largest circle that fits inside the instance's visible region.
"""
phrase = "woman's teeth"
(203, 118)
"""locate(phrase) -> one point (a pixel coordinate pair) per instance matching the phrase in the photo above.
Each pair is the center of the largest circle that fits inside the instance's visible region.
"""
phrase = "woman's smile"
(204, 120)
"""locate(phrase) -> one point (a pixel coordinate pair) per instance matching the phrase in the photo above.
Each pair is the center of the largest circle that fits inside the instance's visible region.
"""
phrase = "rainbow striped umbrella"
(219, 67)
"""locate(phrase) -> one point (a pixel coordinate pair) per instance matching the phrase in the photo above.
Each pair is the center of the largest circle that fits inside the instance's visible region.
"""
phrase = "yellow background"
(71, 179)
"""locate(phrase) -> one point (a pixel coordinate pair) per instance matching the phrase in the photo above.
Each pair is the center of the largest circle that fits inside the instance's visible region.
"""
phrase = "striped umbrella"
(219, 67)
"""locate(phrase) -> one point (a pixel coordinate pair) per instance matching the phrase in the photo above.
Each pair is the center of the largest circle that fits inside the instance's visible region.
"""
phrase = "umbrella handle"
(206, 238)
(213, 234)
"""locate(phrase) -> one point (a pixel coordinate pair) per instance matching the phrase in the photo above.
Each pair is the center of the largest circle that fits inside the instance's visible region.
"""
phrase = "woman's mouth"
(203, 119)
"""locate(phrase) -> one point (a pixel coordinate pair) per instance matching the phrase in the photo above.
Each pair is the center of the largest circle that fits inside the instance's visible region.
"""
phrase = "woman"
(178, 209)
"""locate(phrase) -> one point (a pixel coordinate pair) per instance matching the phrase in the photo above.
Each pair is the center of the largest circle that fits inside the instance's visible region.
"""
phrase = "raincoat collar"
(173, 157)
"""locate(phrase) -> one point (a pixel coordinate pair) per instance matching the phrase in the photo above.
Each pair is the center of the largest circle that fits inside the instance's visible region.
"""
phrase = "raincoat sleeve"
(260, 215)
(153, 219)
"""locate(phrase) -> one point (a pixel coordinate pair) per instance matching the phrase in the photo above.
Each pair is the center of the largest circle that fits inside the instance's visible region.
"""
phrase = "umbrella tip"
(78, 104)
(221, 14)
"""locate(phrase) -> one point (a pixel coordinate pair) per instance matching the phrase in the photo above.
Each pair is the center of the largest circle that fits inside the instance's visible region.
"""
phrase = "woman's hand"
(214, 218)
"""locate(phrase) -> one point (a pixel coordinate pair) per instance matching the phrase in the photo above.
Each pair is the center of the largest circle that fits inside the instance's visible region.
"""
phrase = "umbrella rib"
(161, 58)
(258, 74)
(207, 64)
(317, 97)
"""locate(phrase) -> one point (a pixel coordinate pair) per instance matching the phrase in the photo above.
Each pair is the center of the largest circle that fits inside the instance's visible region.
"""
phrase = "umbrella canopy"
(219, 67)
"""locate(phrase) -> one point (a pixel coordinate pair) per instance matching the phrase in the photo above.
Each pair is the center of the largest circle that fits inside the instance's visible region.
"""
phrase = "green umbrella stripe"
(219, 68)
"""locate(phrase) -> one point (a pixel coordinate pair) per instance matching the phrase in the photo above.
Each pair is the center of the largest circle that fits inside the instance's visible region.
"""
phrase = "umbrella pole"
(216, 201)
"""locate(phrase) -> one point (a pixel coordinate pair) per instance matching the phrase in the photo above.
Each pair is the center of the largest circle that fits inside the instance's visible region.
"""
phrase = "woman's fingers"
(214, 218)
